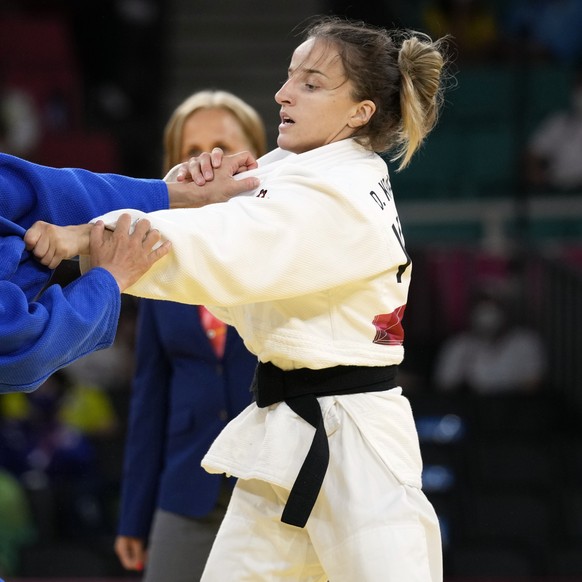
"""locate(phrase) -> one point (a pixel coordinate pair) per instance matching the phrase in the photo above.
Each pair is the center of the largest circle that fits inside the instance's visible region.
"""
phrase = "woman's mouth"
(286, 120)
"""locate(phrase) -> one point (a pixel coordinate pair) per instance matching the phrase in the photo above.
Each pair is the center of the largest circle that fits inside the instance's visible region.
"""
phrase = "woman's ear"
(363, 114)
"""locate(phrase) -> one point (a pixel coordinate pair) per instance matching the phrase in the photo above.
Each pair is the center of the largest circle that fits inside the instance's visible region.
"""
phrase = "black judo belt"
(299, 389)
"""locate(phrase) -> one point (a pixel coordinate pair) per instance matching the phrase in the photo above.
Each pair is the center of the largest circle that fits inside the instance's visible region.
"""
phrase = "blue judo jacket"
(182, 397)
(40, 334)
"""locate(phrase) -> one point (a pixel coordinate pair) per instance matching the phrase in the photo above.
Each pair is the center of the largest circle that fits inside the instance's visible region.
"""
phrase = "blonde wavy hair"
(250, 121)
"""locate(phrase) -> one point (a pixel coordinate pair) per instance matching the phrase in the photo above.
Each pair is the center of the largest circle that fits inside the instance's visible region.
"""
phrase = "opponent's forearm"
(188, 195)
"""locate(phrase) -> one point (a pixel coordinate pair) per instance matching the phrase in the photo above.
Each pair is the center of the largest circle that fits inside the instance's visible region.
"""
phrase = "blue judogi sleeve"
(39, 335)
(63, 196)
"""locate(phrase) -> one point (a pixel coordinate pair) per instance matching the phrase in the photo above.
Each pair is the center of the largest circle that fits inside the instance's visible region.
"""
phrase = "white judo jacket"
(312, 270)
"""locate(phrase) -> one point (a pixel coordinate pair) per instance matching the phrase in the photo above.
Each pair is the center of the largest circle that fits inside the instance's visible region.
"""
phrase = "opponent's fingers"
(46, 254)
(41, 248)
(201, 169)
(234, 187)
(51, 259)
(241, 162)
(216, 156)
(193, 170)
(205, 166)
(32, 235)
(96, 234)
(178, 173)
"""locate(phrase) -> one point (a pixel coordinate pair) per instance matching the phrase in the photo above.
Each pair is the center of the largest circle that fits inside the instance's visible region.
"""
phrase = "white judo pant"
(366, 526)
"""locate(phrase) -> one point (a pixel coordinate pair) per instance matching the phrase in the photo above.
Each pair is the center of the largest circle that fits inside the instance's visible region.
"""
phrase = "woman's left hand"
(51, 244)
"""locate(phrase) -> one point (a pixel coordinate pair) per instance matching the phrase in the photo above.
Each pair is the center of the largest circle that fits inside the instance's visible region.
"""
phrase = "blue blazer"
(182, 397)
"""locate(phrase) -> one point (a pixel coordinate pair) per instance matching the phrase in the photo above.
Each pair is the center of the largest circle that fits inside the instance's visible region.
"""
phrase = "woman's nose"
(282, 95)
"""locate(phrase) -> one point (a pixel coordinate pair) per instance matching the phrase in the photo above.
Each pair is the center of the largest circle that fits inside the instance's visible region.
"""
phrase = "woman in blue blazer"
(193, 374)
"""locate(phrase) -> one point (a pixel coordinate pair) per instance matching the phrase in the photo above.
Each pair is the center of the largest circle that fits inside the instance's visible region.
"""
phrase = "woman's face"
(206, 129)
(316, 103)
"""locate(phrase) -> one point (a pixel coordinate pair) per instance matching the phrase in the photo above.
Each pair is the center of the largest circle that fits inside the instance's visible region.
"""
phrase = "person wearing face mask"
(193, 374)
(494, 356)
(554, 153)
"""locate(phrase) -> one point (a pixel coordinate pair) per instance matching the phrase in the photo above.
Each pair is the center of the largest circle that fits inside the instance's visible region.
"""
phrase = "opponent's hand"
(208, 178)
(51, 244)
(131, 552)
(126, 255)
(201, 168)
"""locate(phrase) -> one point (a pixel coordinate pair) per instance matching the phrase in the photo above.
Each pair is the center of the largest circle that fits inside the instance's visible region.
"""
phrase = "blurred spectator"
(110, 370)
(471, 23)
(39, 447)
(87, 407)
(34, 436)
(545, 30)
(494, 356)
(20, 122)
(553, 160)
(121, 76)
(117, 50)
(16, 525)
(114, 75)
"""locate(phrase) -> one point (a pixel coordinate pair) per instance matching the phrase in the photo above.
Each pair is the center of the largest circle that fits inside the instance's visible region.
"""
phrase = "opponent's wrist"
(186, 195)
(83, 234)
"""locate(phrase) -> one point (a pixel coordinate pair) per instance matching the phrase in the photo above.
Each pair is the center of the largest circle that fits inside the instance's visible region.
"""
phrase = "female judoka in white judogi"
(312, 270)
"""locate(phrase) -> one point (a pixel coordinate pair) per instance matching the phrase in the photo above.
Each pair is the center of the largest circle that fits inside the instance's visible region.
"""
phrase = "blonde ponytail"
(421, 64)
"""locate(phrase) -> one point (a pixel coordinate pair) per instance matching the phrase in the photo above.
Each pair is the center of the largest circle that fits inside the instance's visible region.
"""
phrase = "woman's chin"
(284, 144)
(290, 145)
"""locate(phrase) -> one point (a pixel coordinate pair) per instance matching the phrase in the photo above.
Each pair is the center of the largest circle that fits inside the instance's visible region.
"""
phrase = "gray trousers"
(179, 546)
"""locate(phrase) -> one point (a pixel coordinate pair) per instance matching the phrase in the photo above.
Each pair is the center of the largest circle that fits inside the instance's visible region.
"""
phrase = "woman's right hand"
(131, 552)
(126, 253)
